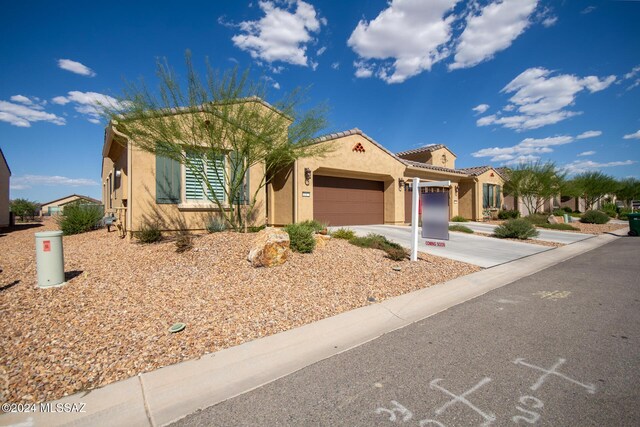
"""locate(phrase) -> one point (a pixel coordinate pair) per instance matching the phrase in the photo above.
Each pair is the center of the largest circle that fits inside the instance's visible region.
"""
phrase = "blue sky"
(498, 82)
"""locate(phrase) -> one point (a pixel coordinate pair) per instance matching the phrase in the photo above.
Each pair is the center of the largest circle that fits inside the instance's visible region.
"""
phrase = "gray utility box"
(49, 259)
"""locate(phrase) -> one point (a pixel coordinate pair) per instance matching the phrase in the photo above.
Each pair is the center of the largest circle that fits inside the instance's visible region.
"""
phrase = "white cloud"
(280, 35)
(588, 9)
(335, 65)
(480, 109)
(23, 115)
(321, 50)
(362, 70)
(76, 67)
(580, 166)
(88, 103)
(589, 134)
(635, 135)
(30, 181)
(527, 149)
(550, 21)
(632, 75)
(540, 98)
(492, 30)
(587, 153)
(410, 33)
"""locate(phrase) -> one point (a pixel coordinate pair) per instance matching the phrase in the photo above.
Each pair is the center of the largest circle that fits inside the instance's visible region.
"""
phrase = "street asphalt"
(478, 250)
(558, 348)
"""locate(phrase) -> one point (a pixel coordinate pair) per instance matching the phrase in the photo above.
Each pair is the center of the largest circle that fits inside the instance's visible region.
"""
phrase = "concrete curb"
(160, 397)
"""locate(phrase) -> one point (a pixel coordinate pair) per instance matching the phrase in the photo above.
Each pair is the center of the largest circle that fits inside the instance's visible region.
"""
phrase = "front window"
(202, 169)
(491, 196)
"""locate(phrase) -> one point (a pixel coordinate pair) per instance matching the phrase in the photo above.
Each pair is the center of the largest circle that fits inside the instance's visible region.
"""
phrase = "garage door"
(347, 201)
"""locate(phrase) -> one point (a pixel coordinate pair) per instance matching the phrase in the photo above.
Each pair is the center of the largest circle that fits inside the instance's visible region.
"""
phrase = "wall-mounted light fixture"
(307, 175)
(400, 184)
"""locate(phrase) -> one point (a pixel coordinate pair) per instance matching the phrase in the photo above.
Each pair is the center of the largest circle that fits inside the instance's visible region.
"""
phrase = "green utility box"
(634, 224)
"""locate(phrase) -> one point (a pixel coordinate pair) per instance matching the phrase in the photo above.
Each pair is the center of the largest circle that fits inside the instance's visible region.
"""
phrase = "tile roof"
(434, 168)
(424, 149)
(479, 170)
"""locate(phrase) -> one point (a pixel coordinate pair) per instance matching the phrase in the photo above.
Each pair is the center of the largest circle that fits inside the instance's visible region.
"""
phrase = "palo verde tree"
(592, 186)
(23, 208)
(534, 183)
(219, 127)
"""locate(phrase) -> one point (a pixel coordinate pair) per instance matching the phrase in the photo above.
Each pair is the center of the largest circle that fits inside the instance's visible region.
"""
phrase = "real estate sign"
(435, 215)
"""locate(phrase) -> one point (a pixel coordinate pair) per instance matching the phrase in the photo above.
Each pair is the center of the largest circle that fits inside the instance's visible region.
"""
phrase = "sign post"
(415, 197)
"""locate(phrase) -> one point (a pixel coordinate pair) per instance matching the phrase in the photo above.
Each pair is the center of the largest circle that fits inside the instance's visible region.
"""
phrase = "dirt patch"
(110, 321)
(596, 228)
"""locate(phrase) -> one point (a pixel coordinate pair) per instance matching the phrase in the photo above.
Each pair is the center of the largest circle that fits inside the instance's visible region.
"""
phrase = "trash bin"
(634, 224)
(567, 220)
(49, 259)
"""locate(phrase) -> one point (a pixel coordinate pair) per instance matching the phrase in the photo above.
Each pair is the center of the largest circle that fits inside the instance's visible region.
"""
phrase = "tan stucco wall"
(281, 201)
(374, 164)
(433, 158)
(4, 194)
(173, 217)
(466, 201)
(44, 209)
(115, 162)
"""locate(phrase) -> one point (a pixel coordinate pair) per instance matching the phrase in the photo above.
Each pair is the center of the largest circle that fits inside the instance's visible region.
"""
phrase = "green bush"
(610, 209)
(79, 218)
(301, 238)
(377, 241)
(23, 208)
(567, 209)
(559, 212)
(149, 233)
(314, 225)
(343, 233)
(184, 242)
(594, 217)
(508, 214)
(461, 228)
(216, 225)
(558, 227)
(624, 214)
(396, 254)
(518, 228)
(459, 218)
(537, 219)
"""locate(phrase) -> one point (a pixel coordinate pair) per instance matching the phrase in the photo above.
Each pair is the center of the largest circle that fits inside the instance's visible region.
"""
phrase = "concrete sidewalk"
(157, 398)
(478, 250)
(564, 237)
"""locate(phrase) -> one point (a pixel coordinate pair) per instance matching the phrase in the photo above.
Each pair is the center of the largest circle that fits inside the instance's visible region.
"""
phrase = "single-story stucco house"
(5, 178)
(56, 207)
(358, 182)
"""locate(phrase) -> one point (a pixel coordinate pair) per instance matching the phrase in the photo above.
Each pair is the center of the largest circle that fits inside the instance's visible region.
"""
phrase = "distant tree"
(534, 183)
(215, 121)
(24, 208)
(592, 186)
(627, 190)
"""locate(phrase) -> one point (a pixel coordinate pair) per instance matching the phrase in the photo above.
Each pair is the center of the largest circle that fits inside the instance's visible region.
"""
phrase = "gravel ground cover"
(110, 321)
(582, 228)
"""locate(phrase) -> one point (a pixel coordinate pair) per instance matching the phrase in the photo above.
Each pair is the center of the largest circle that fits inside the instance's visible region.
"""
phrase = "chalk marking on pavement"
(553, 371)
(423, 423)
(489, 417)
(552, 295)
(406, 414)
(537, 404)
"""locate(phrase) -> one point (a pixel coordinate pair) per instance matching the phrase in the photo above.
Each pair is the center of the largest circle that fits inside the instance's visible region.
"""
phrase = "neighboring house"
(5, 178)
(56, 207)
(358, 182)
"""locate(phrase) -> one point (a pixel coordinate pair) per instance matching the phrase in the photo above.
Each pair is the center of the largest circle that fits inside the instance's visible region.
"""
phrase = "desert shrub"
(537, 218)
(79, 218)
(377, 241)
(594, 217)
(610, 209)
(458, 218)
(255, 228)
(508, 214)
(567, 209)
(624, 214)
(559, 212)
(216, 225)
(301, 238)
(23, 208)
(558, 227)
(314, 225)
(343, 233)
(149, 233)
(518, 228)
(461, 228)
(396, 254)
(184, 242)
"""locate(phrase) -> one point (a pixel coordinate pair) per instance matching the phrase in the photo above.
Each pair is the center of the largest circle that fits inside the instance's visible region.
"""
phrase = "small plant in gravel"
(594, 217)
(516, 229)
(537, 218)
(184, 242)
(301, 238)
(461, 228)
(508, 214)
(216, 225)
(343, 233)
(458, 218)
(624, 214)
(396, 254)
(316, 226)
(558, 212)
(149, 233)
(77, 218)
(377, 241)
(558, 227)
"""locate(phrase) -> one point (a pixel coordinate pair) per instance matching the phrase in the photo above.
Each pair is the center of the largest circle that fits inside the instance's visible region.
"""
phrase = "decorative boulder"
(321, 240)
(270, 248)
(552, 220)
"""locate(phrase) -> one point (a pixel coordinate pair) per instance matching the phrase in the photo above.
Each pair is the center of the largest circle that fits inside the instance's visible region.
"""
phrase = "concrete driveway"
(481, 251)
(564, 237)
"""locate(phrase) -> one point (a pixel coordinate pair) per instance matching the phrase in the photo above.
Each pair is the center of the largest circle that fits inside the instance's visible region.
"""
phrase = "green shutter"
(243, 196)
(167, 180)
(498, 195)
(492, 200)
(485, 196)
(247, 187)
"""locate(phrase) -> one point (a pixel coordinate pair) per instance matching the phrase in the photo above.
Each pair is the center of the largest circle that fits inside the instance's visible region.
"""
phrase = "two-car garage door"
(348, 201)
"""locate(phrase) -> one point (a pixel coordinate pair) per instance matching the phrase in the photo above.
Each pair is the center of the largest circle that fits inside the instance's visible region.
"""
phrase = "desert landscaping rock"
(321, 240)
(270, 248)
(110, 322)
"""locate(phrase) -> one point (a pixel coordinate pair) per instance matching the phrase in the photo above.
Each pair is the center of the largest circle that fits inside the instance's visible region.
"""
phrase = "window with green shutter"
(167, 180)
(241, 183)
(485, 196)
(197, 168)
(498, 201)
